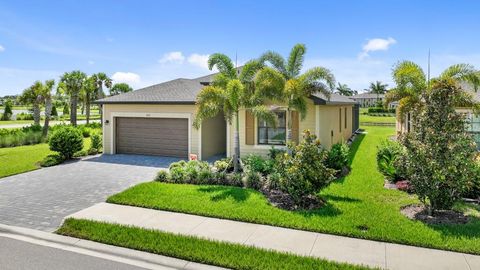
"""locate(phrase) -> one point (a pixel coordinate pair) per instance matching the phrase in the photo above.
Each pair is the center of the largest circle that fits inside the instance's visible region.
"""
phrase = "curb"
(103, 251)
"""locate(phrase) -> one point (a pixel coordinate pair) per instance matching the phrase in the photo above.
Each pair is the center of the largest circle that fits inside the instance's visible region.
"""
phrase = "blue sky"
(147, 42)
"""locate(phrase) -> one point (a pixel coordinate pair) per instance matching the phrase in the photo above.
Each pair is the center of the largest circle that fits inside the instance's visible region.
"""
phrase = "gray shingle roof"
(368, 95)
(185, 91)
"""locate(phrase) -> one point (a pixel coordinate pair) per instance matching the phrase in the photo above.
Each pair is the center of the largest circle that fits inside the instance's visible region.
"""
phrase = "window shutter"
(295, 127)
(249, 128)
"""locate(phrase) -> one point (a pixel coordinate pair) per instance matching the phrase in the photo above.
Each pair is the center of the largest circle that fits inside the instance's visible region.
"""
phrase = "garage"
(152, 136)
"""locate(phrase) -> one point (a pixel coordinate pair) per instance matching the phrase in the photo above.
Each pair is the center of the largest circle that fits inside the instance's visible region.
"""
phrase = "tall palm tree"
(378, 88)
(412, 83)
(100, 80)
(344, 90)
(294, 88)
(228, 93)
(33, 95)
(72, 84)
(47, 97)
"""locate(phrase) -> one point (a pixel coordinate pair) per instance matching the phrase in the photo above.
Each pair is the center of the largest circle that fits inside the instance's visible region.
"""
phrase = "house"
(472, 119)
(368, 99)
(157, 120)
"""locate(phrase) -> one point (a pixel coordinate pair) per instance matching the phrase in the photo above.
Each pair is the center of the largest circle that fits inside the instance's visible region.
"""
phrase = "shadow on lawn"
(225, 192)
(469, 230)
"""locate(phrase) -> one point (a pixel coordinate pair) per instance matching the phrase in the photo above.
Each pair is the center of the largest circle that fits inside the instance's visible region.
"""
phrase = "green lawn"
(358, 205)
(20, 159)
(193, 249)
(376, 119)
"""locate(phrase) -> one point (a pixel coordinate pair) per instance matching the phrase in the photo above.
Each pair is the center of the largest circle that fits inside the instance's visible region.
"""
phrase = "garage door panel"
(152, 136)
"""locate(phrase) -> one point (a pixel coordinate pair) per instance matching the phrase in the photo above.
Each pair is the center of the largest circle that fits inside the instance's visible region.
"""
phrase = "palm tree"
(412, 83)
(100, 80)
(88, 95)
(228, 93)
(378, 88)
(47, 97)
(33, 95)
(294, 88)
(344, 90)
(72, 84)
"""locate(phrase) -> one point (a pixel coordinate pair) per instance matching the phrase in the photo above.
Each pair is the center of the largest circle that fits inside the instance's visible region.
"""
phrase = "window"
(340, 119)
(345, 118)
(267, 134)
(474, 128)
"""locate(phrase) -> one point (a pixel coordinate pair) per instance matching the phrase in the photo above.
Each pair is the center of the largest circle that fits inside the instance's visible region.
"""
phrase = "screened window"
(267, 134)
(474, 128)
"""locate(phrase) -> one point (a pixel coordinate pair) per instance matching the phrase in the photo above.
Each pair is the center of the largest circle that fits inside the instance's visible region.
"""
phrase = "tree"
(66, 110)
(100, 80)
(88, 95)
(33, 95)
(229, 92)
(440, 153)
(344, 90)
(46, 94)
(412, 83)
(293, 88)
(378, 88)
(72, 85)
(7, 111)
(120, 88)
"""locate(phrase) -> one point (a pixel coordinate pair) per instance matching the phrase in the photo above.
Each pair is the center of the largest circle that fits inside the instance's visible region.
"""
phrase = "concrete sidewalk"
(331, 247)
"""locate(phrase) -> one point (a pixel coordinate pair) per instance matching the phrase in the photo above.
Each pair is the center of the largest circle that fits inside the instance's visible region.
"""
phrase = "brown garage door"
(152, 136)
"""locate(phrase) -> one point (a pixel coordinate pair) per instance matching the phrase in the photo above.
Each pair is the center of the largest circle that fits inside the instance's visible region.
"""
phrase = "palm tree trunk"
(36, 113)
(289, 129)
(73, 110)
(48, 112)
(87, 108)
(236, 155)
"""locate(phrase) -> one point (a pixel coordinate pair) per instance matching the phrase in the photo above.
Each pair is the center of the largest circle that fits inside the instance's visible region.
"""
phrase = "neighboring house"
(157, 120)
(473, 120)
(368, 99)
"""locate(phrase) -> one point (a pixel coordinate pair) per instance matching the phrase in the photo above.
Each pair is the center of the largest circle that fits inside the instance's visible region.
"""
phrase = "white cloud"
(376, 44)
(91, 62)
(172, 57)
(126, 77)
(200, 60)
(2, 48)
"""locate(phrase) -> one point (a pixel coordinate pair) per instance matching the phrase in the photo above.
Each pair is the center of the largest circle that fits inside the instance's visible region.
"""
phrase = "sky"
(147, 42)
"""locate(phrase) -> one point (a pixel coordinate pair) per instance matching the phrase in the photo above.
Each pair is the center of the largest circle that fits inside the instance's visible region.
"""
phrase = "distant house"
(368, 99)
(157, 120)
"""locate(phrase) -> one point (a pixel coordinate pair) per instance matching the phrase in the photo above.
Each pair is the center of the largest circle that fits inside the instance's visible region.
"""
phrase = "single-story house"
(157, 120)
(368, 99)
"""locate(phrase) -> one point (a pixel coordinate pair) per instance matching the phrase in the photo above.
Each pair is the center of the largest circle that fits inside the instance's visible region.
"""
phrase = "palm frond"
(249, 70)
(269, 84)
(462, 73)
(317, 75)
(210, 102)
(407, 74)
(223, 63)
(264, 113)
(300, 105)
(235, 94)
(276, 60)
(295, 60)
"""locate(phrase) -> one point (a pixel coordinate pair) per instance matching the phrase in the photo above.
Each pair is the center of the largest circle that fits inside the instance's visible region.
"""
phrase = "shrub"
(259, 164)
(253, 180)
(180, 163)
(223, 165)
(86, 132)
(273, 153)
(178, 174)
(235, 179)
(92, 151)
(304, 172)
(206, 176)
(96, 141)
(388, 155)
(17, 137)
(338, 156)
(380, 110)
(473, 191)
(81, 153)
(52, 160)
(220, 178)
(54, 112)
(440, 153)
(273, 181)
(162, 176)
(7, 112)
(66, 140)
(24, 116)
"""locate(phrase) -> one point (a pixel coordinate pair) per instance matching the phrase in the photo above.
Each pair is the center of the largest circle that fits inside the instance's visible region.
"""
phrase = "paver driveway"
(41, 199)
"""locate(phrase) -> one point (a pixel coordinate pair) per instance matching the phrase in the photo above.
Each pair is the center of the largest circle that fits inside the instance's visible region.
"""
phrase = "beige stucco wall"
(214, 136)
(325, 116)
(142, 110)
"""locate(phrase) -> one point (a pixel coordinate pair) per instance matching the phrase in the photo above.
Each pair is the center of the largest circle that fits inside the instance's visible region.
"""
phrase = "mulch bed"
(283, 200)
(441, 217)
